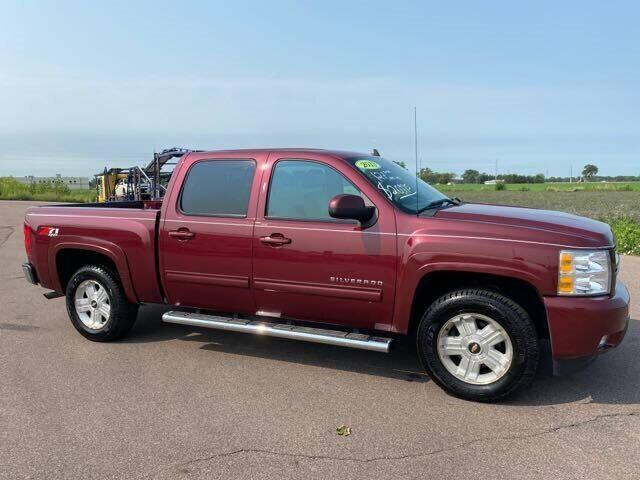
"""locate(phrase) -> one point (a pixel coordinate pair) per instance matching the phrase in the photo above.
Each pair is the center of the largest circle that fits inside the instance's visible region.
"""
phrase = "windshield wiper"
(438, 203)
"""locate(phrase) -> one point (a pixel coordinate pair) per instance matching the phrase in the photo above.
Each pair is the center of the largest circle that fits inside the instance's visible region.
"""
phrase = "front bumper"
(584, 327)
(30, 273)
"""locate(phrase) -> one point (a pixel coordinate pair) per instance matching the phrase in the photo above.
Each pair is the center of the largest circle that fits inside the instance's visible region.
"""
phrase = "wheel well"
(435, 284)
(68, 262)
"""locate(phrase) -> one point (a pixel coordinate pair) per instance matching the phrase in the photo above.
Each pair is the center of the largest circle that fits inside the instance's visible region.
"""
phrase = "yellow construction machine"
(137, 183)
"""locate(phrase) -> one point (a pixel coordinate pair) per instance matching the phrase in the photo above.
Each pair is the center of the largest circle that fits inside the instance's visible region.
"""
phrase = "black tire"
(122, 314)
(509, 315)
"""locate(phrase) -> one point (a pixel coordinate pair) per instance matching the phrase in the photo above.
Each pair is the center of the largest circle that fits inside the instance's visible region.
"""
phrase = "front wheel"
(478, 344)
(97, 305)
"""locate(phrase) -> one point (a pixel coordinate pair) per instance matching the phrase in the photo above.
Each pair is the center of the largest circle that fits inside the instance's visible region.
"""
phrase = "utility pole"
(571, 174)
(496, 171)
(415, 144)
(415, 135)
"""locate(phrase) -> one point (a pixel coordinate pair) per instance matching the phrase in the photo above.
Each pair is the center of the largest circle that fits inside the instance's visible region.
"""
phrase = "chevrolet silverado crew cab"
(345, 249)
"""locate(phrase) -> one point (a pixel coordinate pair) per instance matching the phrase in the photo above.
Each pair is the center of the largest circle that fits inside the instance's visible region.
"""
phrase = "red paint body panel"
(578, 324)
(126, 236)
(320, 251)
(213, 269)
(330, 271)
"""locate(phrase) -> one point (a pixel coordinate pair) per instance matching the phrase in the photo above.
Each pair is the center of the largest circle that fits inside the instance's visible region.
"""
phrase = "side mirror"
(350, 207)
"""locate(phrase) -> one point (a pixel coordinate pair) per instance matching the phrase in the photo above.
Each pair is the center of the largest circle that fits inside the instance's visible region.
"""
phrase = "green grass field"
(617, 204)
(549, 187)
(11, 189)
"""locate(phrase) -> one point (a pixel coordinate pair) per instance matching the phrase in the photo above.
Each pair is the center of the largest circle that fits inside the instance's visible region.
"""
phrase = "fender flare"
(502, 271)
(404, 308)
(110, 250)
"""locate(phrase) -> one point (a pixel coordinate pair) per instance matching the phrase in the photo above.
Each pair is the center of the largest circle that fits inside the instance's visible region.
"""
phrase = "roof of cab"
(336, 153)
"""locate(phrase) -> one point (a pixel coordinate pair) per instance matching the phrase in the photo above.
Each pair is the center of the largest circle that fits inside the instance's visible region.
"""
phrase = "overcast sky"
(538, 86)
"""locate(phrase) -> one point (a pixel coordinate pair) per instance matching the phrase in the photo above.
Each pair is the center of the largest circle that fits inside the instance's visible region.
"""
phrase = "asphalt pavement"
(179, 402)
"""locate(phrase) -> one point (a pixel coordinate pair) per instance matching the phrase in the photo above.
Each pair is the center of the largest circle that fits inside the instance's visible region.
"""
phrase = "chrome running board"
(281, 330)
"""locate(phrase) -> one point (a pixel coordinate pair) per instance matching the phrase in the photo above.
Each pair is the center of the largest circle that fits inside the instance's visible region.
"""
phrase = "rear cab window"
(219, 188)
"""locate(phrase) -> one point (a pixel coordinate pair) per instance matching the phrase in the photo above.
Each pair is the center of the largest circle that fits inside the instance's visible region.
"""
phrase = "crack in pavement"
(19, 327)
(242, 451)
(5, 236)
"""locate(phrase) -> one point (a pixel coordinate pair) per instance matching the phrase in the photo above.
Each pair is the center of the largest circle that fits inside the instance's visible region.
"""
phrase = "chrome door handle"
(275, 240)
(182, 234)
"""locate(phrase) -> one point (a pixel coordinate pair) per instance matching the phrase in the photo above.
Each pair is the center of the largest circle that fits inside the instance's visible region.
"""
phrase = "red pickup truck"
(346, 249)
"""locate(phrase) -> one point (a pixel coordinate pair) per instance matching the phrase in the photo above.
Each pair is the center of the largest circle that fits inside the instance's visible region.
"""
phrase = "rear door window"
(218, 188)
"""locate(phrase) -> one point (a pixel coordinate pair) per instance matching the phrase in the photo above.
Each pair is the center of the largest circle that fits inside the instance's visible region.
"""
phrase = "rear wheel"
(97, 305)
(478, 345)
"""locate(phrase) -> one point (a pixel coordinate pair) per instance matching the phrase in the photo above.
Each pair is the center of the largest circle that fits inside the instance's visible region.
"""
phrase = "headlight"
(584, 272)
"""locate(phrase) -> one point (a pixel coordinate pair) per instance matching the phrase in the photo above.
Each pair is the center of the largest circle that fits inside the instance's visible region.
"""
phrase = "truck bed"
(125, 232)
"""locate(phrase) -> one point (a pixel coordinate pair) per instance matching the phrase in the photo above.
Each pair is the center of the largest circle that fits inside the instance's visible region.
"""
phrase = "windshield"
(397, 183)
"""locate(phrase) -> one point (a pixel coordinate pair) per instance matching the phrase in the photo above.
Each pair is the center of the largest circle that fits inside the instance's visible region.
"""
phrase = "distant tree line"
(430, 176)
(589, 173)
(474, 176)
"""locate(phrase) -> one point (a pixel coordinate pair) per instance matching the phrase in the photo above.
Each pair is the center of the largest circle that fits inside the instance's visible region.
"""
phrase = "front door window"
(302, 190)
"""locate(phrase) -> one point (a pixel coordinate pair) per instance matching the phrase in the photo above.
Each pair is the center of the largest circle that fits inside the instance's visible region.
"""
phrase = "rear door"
(206, 232)
(310, 266)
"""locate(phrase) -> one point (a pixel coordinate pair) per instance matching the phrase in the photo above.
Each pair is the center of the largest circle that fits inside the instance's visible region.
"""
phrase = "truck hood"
(537, 225)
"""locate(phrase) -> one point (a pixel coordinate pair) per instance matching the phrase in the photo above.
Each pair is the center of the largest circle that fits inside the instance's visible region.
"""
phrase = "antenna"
(415, 144)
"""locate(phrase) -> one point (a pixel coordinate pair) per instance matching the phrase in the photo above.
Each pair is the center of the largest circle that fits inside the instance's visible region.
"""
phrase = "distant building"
(493, 182)
(74, 183)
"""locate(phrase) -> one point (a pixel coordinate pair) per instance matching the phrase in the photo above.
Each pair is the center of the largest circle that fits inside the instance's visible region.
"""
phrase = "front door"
(206, 235)
(310, 266)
